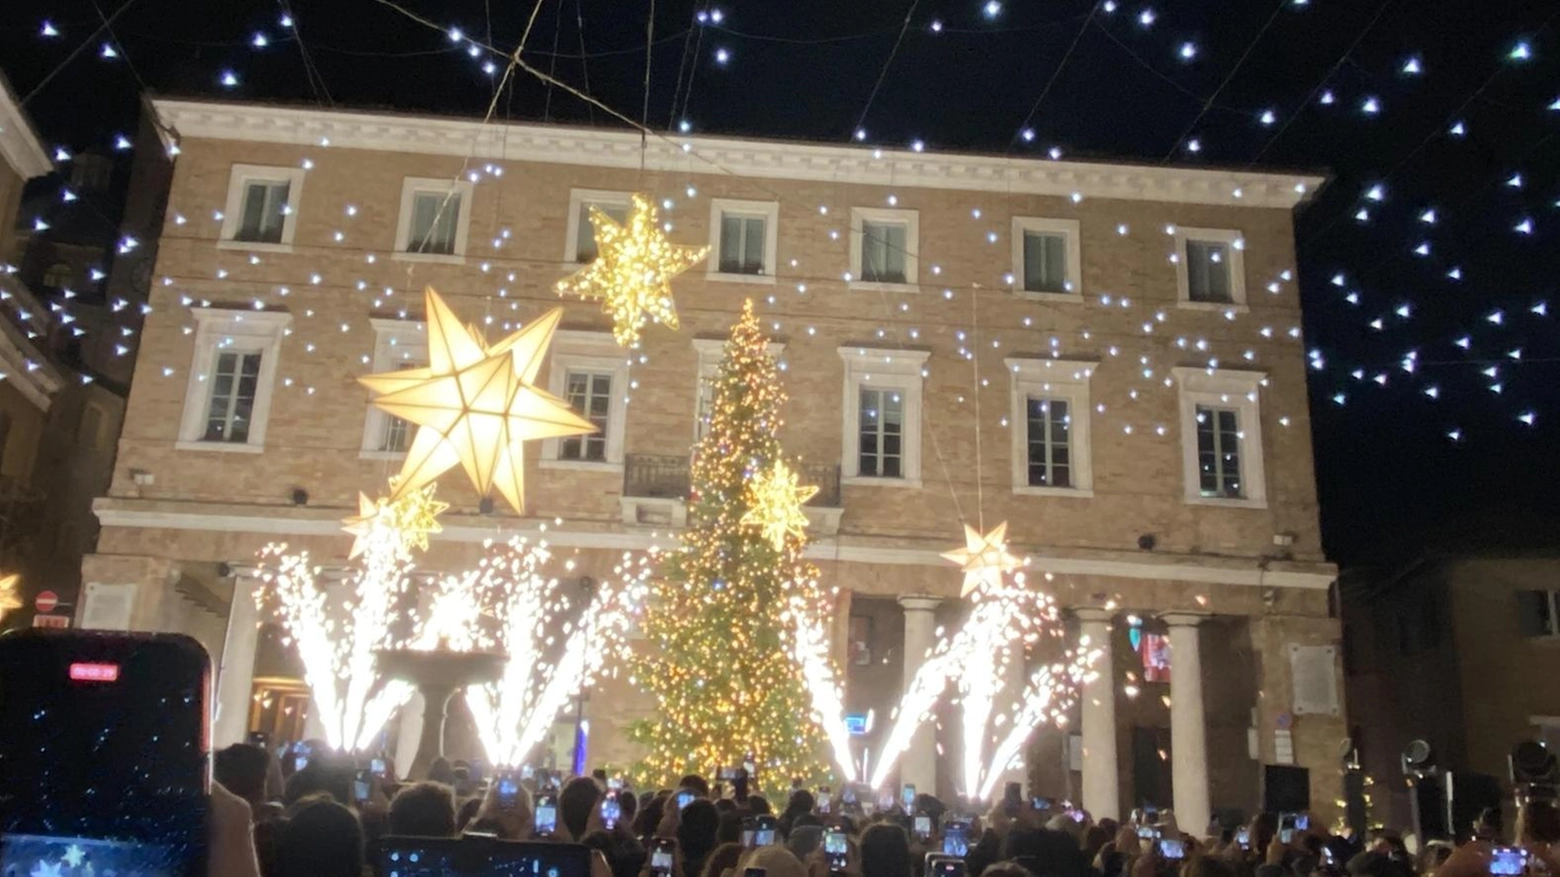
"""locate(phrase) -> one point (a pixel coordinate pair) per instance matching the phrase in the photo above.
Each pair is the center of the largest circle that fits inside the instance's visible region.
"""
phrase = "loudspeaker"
(1286, 789)
(1428, 804)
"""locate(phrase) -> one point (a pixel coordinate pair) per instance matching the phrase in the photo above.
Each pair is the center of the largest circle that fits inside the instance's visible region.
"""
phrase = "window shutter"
(1532, 613)
(753, 247)
(896, 236)
(254, 211)
(730, 244)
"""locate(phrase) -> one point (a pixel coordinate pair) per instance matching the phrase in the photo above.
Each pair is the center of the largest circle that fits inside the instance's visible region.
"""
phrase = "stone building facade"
(1106, 356)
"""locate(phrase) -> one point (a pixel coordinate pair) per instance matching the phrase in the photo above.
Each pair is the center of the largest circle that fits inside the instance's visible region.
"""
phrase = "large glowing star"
(777, 504)
(632, 273)
(412, 518)
(475, 404)
(9, 599)
(984, 559)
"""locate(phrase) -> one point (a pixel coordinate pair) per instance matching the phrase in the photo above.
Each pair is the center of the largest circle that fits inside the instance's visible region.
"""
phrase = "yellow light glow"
(633, 270)
(475, 405)
(9, 599)
(984, 559)
(412, 518)
(777, 504)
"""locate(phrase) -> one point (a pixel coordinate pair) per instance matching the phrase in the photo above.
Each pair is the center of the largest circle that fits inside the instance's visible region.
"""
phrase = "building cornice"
(19, 143)
(175, 515)
(757, 159)
(27, 368)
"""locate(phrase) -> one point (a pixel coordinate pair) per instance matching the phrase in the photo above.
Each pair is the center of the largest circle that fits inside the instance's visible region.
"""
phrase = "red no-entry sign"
(46, 601)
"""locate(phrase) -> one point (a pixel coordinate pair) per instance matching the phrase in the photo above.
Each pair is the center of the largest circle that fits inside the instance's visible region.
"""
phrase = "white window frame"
(578, 200)
(1067, 228)
(1223, 388)
(239, 179)
(1236, 244)
(222, 329)
(877, 368)
(395, 342)
(769, 211)
(911, 219)
(574, 350)
(411, 187)
(1053, 379)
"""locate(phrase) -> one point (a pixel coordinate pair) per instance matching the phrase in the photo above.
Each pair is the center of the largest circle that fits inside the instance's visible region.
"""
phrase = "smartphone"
(508, 791)
(1012, 797)
(1286, 835)
(823, 801)
(104, 748)
(1508, 861)
(848, 795)
(479, 855)
(684, 798)
(956, 838)
(361, 786)
(662, 851)
(545, 822)
(725, 774)
(764, 830)
(1302, 822)
(754, 872)
(611, 811)
(923, 826)
(260, 738)
(946, 867)
(835, 848)
(907, 796)
(615, 784)
(1147, 832)
(885, 801)
(1243, 837)
(527, 772)
(1172, 848)
(1038, 803)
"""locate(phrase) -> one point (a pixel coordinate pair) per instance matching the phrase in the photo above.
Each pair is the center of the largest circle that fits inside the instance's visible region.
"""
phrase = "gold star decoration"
(475, 405)
(9, 599)
(984, 559)
(633, 270)
(777, 504)
(412, 518)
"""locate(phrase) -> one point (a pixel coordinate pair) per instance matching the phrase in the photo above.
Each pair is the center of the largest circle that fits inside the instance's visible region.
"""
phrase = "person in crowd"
(720, 859)
(800, 802)
(777, 861)
(885, 851)
(321, 839)
(650, 814)
(425, 809)
(441, 771)
(576, 803)
(695, 783)
(1006, 869)
(243, 769)
(696, 828)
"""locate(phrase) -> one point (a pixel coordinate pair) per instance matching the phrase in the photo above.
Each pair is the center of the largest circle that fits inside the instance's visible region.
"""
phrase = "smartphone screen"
(1507, 861)
(835, 848)
(615, 784)
(956, 839)
(661, 856)
(684, 798)
(1039, 803)
(478, 855)
(907, 795)
(103, 757)
(1243, 837)
(546, 821)
(611, 811)
(764, 831)
(923, 826)
(377, 766)
(1302, 821)
(823, 801)
(1147, 832)
(1172, 848)
(754, 872)
(360, 786)
(948, 868)
(508, 793)
(300, 762)
(1286, 835)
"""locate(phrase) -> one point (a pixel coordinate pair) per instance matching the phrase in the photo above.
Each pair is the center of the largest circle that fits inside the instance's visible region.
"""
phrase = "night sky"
(1395, 463)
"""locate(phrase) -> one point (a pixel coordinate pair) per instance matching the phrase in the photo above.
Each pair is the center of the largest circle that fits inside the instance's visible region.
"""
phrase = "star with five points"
(633, 270)
(984, 559)
(475, 404)
(413, 518)
(777, 504)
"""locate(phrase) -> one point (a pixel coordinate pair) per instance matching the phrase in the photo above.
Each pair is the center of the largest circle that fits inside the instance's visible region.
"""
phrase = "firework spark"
(811, 651)
(1048, 698)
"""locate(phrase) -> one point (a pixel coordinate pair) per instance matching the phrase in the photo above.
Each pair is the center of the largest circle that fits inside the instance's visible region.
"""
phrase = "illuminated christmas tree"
(721, 627)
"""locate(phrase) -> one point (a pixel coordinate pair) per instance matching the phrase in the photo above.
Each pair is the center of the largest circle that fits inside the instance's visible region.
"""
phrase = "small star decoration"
(9, 599)
(984, 559)
(632, 273)
(777, 504)
(412, 518)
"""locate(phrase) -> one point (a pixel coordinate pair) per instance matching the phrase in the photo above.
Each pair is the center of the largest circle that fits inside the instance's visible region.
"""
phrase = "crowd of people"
(325, 816)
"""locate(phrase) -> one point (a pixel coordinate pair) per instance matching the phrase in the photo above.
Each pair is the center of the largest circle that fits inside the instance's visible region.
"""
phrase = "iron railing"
(664, 476)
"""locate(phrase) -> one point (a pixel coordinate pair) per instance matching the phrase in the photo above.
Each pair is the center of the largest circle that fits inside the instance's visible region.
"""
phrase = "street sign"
(46, 601)
(59, 621)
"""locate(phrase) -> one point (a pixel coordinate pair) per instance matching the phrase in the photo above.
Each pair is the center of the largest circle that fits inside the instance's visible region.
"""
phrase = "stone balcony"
(656, 487)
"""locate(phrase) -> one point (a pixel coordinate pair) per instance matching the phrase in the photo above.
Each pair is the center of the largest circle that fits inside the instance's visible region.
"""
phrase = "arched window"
(58, 276)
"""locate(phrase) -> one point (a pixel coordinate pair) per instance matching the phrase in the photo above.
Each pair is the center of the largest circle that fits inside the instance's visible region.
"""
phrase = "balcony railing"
(660, 476)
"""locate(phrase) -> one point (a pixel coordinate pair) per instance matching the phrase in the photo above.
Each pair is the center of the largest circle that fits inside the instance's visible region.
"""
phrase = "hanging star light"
(413, 518)
(633, 270)
(777, 504)
(475, 404)
(9, 599)
(984, 559)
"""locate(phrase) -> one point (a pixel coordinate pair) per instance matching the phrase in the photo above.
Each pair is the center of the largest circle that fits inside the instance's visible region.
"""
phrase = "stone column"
(1188, 726)
(1101, 768)
(918, 765)
(411, 721)
(236, 676)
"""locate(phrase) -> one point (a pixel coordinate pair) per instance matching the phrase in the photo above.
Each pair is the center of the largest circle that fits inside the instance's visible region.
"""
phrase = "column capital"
(1093, 615)
(1184, 619)
(920, 602)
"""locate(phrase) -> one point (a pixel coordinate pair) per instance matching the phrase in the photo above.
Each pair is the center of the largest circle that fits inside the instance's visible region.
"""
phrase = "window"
(398, 345)
(745, 234)
(59, 276)
(228, 398)
(883, 247)
(1049, 422)
(1221, 436)
(882, 435)
(1046, 257)
(581, 243)
(262, 207)
(590, 395)
(435, 220)
(1210, 267)
(1538, 613)
(1218, 452)
(590, 372)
